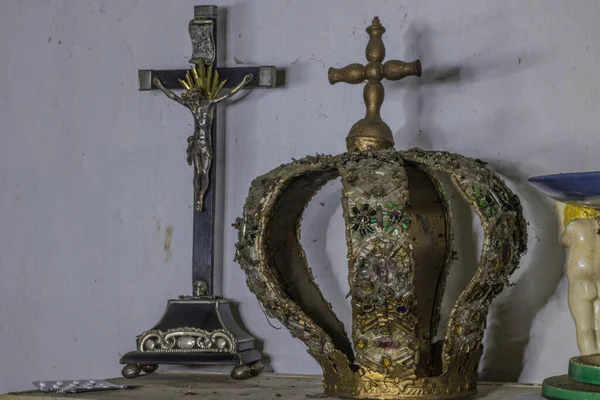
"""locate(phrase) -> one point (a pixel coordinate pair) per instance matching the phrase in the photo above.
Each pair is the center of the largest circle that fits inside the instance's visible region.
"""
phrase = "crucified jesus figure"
(199, 149)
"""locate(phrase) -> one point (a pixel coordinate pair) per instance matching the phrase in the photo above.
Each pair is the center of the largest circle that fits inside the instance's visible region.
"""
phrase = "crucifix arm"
(169, 93)
(247, 79)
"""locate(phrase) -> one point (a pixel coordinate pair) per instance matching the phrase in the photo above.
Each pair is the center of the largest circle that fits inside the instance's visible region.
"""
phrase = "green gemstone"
(390, 205)
(390, 229)
(400, 207)
(404, 226)
(482, 203)
(373, 220)
(369, 228)
(493, 211)
(386, 223)
(488, 212)
(477, 192)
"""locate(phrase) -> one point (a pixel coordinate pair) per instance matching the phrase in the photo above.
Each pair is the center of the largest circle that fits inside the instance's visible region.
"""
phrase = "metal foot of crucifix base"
(195, 331)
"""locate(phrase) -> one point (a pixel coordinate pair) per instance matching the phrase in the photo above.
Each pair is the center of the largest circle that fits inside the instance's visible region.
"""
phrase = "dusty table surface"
(220, 386)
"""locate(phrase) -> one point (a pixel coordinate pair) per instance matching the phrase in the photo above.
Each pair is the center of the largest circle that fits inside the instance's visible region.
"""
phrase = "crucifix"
(371, 131)
(200, 329)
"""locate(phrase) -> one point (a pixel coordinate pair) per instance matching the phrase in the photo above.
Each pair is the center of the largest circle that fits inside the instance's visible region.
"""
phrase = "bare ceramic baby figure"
(202, 104)
(582, 239)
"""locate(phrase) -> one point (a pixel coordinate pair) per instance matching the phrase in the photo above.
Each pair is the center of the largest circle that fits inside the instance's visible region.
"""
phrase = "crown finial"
(371, 132)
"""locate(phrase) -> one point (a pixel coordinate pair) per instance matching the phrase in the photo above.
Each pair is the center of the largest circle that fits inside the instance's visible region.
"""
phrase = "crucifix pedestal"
(200, 329)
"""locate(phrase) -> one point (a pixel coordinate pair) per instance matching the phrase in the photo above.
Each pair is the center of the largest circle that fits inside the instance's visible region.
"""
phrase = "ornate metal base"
(195, 331)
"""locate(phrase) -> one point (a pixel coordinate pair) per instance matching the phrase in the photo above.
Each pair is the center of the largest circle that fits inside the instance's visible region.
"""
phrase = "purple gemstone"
(387, 344)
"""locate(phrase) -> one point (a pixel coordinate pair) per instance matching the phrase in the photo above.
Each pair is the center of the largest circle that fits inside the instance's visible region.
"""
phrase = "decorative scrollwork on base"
(187, 340)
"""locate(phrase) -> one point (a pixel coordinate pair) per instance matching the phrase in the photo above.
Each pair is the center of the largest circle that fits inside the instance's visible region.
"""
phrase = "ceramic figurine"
(577, 197)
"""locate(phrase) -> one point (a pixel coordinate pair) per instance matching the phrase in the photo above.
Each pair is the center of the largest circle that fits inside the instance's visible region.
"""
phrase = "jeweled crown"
(400, 248)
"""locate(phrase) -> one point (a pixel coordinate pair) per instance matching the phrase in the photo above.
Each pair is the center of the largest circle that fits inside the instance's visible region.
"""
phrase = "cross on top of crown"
(371, 132)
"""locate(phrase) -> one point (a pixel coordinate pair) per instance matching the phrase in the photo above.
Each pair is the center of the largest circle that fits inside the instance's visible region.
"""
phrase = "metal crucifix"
(203, 85)
(201, 96)
(200, 329)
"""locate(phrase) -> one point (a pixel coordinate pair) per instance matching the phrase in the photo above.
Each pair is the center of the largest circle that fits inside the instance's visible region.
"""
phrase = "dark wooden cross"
(203, 31)
(196, 319)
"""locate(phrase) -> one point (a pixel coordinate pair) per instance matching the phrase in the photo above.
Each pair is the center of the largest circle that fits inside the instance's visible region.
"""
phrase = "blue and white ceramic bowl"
(579, 188)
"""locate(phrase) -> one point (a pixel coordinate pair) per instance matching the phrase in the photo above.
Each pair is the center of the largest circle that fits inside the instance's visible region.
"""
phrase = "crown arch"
(399, 235)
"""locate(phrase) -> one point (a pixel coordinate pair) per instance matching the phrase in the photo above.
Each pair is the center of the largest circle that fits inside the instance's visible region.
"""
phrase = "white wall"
(93, 172)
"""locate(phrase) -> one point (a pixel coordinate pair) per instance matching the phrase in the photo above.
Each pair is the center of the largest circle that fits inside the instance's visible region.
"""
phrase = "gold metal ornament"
(400, 249)
(572, 211)
(203, 80)
(371, 132)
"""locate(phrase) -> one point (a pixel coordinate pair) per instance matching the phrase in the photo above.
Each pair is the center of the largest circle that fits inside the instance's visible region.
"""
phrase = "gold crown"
(399, 235)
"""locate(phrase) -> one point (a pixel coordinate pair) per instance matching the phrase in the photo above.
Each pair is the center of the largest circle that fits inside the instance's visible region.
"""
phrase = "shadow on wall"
(512, 313)
(441, 80)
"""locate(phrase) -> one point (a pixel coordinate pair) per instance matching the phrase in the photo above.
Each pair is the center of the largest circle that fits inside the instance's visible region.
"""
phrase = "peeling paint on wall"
(168, 241)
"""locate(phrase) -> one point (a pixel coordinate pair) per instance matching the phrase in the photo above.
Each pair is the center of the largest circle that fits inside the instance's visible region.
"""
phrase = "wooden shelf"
(177, 385)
